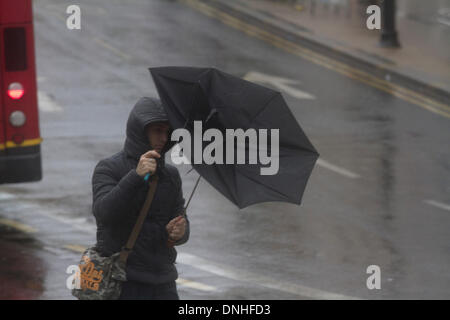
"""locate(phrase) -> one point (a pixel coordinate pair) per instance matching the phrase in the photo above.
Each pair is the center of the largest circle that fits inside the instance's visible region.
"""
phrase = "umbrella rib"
(265, 106)
(313, 157)
(230, 190)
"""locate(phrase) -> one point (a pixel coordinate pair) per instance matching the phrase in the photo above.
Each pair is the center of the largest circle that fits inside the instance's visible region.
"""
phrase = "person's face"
(158, 134)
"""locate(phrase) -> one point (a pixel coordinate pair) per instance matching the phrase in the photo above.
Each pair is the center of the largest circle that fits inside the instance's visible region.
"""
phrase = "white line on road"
(6, 196)
(47, 104)
(80, 224)
(17, 225)
(444, 21)
(243, 276)
(195, 285)
(112, 49)
(58, 15)
(282, 84)
(75, 248)
(337, 169)
(438, 204)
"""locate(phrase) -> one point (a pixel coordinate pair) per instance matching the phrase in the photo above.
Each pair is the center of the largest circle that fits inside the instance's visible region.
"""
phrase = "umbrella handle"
(147, 176)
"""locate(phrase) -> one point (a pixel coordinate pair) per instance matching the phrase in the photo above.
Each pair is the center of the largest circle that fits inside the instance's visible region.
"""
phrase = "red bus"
(20, 141)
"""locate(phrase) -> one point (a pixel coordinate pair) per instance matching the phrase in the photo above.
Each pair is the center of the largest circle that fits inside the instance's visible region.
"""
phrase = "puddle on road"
(22, 272)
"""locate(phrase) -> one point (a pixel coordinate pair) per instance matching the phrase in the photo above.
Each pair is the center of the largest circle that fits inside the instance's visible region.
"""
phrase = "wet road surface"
(378, 196)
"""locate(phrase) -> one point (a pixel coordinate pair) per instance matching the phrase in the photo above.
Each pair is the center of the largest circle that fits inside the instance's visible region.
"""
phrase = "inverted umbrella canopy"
(222, 101)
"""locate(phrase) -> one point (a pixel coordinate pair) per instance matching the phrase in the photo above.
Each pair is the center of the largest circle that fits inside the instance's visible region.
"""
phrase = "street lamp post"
(389, 37)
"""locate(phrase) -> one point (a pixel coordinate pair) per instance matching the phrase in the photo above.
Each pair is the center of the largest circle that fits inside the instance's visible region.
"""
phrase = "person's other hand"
(176, 228)
(147, 163)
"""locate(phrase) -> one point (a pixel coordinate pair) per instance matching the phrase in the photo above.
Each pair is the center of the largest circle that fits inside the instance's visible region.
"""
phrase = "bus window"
(14, 42)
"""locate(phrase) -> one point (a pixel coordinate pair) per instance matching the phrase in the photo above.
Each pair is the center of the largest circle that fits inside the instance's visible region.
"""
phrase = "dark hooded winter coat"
(119, 194)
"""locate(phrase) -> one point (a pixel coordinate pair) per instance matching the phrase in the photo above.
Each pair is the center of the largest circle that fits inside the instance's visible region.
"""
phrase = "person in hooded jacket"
(119, 191)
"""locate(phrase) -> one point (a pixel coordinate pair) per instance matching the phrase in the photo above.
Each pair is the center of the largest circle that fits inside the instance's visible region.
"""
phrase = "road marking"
(444, 21)
(322, 60)
(438, 204)
(80, 224)
(17, 225)
(75, 248)
(112, 49)
(56, 14)
(337, 169)
(243, 276)
(444, 16)
(282, 84)
(195, 285)
(59, 252)
(90, 8)
(47, 104)
(6, 195)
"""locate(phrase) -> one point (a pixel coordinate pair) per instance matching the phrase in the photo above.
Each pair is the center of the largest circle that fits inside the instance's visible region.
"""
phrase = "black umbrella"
(222, 101)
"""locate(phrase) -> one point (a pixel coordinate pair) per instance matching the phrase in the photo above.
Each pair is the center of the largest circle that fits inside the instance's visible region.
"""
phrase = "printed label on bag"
(90, 277)
(85, 276)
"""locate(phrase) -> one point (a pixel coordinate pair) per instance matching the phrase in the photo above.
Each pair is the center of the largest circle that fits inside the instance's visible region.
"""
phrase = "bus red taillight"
(15, 91)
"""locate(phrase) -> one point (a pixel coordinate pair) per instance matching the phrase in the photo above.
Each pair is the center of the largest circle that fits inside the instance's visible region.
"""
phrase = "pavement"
(338, 27)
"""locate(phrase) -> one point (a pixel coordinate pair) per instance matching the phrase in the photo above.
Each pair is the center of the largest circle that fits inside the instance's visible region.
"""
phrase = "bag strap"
(139, 222)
